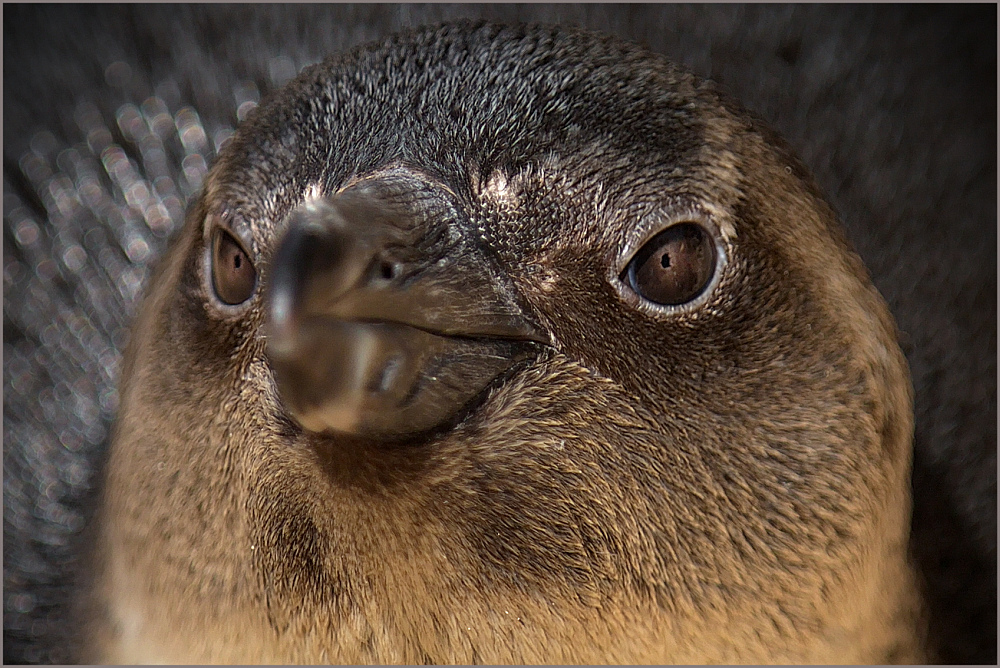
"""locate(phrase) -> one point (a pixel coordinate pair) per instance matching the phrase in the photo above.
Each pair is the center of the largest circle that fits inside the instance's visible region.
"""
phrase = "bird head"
(506, 344)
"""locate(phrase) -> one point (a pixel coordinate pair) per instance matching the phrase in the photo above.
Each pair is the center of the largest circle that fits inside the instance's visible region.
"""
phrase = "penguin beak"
(384, 319)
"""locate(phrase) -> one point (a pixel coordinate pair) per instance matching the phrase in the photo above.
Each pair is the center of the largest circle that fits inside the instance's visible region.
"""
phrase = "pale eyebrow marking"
(313, 192)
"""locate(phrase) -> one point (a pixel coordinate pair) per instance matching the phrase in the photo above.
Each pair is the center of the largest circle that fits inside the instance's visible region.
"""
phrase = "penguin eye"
(233, 275)
(673, 267)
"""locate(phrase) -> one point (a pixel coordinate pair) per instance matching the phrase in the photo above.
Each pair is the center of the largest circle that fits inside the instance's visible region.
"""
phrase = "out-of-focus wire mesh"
(82, 224)
(112, 115)
(89, 204)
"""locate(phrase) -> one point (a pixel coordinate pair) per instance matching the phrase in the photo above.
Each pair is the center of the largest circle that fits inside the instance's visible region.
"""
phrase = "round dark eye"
(233, 275)
(674, 266)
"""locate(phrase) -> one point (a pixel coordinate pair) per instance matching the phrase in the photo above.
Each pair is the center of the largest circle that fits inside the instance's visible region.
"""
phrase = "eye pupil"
(233, 275)
(674, 267)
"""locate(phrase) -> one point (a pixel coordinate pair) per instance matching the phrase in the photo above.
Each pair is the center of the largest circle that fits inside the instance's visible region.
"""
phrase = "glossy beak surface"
(384, 319)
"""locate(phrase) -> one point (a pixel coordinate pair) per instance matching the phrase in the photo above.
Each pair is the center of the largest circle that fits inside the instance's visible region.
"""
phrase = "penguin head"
(503, 319)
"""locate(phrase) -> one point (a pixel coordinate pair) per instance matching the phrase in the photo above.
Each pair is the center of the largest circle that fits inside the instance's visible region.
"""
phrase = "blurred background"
(113, 114)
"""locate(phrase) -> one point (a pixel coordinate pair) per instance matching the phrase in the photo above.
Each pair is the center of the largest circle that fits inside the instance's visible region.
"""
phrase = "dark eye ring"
(674, 267)
(233, 274)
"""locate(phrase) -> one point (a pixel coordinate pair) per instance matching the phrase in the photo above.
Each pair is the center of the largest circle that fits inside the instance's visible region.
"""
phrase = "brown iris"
(674, 267)
(233, 274)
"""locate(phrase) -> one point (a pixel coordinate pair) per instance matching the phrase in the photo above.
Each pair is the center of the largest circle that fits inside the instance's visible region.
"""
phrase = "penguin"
(507, 344)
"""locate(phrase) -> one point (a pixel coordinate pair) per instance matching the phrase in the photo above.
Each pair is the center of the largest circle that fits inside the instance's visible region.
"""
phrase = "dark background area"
(111, 114)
